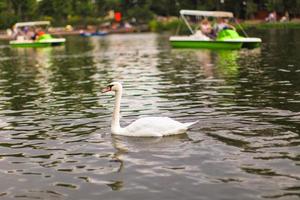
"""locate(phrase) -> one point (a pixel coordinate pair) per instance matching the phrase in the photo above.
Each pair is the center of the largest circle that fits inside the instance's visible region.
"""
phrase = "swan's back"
(155, 127)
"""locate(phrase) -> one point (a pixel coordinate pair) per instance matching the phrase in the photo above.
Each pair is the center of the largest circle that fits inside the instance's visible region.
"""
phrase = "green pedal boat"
(25, 32)
(225, 39)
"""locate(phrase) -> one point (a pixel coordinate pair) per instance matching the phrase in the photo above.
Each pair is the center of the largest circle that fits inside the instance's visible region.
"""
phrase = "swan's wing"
(188, 124)
(156, 127)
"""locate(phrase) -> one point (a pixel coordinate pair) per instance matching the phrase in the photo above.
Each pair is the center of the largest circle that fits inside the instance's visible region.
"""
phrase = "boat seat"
(199, 35)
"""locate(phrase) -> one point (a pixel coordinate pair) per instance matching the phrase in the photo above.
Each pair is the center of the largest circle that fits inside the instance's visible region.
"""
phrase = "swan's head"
(114, 86)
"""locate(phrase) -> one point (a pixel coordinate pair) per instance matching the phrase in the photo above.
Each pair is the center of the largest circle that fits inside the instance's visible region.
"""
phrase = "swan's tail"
(188, 124)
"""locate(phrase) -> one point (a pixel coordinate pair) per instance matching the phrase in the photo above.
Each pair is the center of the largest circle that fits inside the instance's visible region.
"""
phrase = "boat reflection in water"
(38, 57)
(218, 63)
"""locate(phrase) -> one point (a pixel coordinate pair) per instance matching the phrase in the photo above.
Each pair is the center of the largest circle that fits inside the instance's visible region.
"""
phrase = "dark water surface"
(55, 140)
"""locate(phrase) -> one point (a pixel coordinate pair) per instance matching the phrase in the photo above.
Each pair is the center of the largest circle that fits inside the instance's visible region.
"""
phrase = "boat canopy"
(37, 23)
(207, 13)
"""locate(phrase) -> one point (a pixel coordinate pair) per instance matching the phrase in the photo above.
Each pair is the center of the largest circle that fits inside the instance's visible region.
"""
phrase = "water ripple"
(55, 122)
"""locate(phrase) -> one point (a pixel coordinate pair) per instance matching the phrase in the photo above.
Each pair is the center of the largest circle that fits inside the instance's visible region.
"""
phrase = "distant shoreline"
(62, 31)
(293, 24)
(259, 24)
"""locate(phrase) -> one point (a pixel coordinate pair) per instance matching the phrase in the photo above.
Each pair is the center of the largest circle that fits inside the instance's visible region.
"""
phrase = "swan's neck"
(115, 124)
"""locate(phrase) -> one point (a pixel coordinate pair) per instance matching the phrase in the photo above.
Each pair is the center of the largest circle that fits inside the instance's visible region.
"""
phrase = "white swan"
(143, 127)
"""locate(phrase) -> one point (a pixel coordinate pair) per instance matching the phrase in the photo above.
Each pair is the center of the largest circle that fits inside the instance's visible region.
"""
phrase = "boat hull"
(251, 43)
(192, 42)
(186, 42)
(41, 43)
(86, 34)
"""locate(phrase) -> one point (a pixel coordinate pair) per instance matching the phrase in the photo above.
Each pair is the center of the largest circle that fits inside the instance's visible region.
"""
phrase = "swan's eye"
(110, 86)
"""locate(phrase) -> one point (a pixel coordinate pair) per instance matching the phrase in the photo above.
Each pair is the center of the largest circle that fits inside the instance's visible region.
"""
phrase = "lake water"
(55, 140)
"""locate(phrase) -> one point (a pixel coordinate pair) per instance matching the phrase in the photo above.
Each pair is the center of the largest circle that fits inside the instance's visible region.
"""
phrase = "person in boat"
(15, 32)
(222, 24)
(30, 34)
(38, 32)
(206, 29)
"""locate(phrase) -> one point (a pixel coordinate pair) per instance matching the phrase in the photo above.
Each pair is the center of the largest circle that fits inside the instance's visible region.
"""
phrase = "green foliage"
(7, 20)
(251, 9)
(141, 14)
(280, 25)
(82, 8)
(80, 21)
(292, 6)
(174, 25)
(276, 25)
(24, 9)
(57, 9)
(166, 7)
(12, 11)
(91, 11)
(47, 18)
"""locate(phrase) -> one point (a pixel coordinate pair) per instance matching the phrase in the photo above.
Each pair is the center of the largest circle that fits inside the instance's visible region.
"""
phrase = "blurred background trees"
(83, 12)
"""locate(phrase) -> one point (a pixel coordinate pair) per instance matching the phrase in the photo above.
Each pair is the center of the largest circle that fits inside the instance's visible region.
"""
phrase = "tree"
(103, 6)
(16, 10)
(86, 11)
(82, 8)
(57, 9)
(7, 16)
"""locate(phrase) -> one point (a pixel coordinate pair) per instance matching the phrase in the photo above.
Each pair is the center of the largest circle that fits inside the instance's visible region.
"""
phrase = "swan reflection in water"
(129, 149)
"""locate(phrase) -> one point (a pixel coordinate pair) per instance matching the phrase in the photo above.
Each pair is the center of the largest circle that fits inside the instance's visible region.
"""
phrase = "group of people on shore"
(207, 30)
(272, 17)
